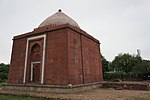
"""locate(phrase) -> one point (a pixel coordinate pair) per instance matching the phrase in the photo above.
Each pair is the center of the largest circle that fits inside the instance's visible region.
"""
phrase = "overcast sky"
(122, 26)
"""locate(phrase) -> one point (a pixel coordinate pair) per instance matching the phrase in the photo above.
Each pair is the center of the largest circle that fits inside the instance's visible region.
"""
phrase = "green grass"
(140, 98)
(1, 83)
(21, 97)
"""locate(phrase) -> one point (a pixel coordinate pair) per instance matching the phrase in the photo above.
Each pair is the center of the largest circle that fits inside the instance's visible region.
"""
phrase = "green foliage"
(4, 69)
(106, 67)
(3, 76)
(140, 98)
(24, 95)
(142, 70)
(126, 66)
(105, 64)
(116, 75)
(112, 75)
(125, 62)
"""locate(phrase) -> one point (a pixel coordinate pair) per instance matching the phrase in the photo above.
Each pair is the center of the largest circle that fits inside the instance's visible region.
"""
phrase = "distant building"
(58, 52)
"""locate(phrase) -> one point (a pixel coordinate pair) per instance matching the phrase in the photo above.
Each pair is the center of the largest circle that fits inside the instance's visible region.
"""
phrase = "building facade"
(58, 52)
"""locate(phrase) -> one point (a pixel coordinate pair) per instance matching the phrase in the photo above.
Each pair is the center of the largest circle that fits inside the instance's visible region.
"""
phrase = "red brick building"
(58, 52)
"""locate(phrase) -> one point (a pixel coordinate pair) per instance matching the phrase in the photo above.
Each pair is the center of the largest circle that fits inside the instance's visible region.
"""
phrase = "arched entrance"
(35, 64)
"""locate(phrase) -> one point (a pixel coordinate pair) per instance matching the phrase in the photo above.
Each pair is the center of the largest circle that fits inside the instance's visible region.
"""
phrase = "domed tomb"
(59, 18)
(58, 52)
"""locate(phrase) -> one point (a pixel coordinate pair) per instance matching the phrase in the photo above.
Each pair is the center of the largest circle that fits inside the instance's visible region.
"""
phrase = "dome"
(58, 18)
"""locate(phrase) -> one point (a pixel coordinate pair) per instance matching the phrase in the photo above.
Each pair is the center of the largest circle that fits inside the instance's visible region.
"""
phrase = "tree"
(126, 66)
(4, 69)
(124, 62)
(105, 64)
(142, 70)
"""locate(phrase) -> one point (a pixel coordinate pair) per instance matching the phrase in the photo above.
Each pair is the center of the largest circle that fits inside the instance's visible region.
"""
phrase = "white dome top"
(58, 18)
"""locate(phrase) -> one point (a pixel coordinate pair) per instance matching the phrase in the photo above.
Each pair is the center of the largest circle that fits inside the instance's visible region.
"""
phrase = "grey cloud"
(120, 25)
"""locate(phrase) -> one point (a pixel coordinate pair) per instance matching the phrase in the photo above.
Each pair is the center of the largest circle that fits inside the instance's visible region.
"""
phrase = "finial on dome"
(59, 10)
(59, 18)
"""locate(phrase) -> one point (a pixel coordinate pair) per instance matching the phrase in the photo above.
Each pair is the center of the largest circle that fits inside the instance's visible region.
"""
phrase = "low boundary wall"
(76, 88)
(51, 88)
(127, 85)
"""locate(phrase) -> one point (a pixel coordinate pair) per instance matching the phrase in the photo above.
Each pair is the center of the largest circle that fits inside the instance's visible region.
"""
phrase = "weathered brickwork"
(56, 57)
(74, 58)
(17, 61)
(56, 54)
(91, 60)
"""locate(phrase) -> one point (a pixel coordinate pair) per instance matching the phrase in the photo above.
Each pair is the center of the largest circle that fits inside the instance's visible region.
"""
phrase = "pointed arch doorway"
(35, 52)
(35, 71)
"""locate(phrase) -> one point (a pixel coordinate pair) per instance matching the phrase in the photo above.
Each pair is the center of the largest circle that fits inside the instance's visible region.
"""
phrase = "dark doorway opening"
(36, 73)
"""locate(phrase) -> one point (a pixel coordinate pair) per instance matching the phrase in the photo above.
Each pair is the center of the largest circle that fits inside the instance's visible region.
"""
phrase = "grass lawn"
(21, 97)
(140, 98)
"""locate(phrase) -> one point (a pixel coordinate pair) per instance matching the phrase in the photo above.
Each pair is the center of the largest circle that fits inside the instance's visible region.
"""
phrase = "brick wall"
(17, 61)
(71, 56)
(56, 57)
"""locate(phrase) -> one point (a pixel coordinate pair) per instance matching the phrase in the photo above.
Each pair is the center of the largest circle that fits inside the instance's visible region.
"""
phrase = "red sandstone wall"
(91, 60)
(17, 61)
(69, 58)
(56, 57)
(74, 58)
(84, 60)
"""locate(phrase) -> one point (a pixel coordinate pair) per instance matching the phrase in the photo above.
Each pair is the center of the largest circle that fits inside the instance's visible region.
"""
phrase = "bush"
(4, 69)
(24, 95)
(117, 75)
(3, 76)
(112, 75)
